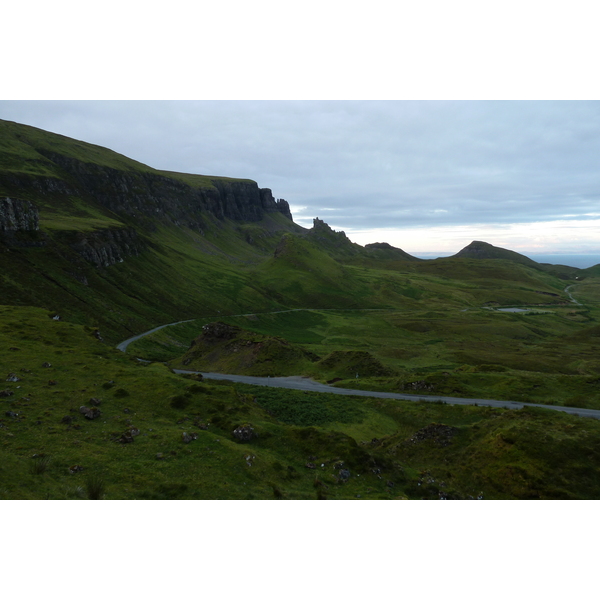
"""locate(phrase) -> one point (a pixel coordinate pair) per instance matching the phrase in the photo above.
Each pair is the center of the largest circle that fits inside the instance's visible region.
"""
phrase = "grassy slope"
(492, 453)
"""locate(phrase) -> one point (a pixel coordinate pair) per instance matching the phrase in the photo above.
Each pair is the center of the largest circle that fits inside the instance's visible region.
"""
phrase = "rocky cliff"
(150, 193)
(18, 215)
(107, 247)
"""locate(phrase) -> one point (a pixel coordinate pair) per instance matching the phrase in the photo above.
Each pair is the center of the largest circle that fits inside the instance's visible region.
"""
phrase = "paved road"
(123, 345)
(304, 383)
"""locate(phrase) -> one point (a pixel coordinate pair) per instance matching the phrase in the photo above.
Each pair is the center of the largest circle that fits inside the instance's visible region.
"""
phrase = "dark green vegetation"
(115, 248)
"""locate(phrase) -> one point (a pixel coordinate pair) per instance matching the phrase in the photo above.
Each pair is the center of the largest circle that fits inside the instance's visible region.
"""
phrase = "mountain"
(483, 250)
(101, 238)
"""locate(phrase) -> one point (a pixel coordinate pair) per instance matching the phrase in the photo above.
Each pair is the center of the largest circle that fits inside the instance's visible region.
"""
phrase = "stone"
(244, 433)
(344, 474)
(10, 413)
(6, 393)
(75, 469)
(90, 413)
(189, 437)
(441, 435)
(95, 401)
(67, 420)
(46, 365)
(12, 377)
(126, 438)
(160, 456)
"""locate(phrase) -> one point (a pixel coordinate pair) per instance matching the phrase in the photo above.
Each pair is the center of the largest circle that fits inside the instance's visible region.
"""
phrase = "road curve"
(306, 384)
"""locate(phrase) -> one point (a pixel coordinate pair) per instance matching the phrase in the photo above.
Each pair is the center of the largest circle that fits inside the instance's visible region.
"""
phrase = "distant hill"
(483, 250)
(384, 251)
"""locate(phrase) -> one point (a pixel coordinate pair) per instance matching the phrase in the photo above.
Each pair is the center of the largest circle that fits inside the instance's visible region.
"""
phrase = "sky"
(425, 176)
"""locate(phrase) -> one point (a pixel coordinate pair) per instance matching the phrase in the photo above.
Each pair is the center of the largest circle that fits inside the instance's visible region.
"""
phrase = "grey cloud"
(380, 164)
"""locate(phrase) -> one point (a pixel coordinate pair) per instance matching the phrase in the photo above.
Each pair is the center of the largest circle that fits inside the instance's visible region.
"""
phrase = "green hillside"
(96, 247)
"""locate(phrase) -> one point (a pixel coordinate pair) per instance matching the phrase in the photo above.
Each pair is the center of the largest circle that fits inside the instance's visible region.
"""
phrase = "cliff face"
(131, 193)
(107, 247)
(18, 215)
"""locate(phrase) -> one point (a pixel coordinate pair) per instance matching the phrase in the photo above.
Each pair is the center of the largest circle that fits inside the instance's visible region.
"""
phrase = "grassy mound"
(227, 348)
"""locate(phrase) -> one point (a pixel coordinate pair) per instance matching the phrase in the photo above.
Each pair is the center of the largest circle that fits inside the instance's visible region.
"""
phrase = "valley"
(97, 249)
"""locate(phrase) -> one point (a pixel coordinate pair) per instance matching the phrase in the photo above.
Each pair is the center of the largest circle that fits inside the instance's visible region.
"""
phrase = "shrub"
(40, 464)
(95, 487)
(180, 401)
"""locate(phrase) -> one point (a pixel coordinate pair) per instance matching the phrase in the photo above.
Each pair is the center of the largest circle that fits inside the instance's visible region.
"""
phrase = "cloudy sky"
(426, 176)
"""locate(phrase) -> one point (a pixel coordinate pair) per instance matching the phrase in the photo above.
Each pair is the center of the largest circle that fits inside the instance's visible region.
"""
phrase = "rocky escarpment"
(19, 224)
(334, 242)
(153, 194)
(18, 215)
(107, 247)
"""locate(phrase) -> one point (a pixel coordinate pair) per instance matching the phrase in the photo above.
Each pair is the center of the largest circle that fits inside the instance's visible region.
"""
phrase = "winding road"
(307, 384)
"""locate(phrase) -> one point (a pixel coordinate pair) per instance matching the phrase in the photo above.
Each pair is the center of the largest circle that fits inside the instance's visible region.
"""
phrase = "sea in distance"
(581, 261)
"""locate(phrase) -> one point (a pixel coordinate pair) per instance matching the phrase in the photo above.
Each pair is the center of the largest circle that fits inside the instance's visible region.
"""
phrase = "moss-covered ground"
(304, 445)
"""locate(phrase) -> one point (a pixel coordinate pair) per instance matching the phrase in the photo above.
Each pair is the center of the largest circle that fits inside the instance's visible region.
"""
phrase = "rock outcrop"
(107, 247)
(18, 215)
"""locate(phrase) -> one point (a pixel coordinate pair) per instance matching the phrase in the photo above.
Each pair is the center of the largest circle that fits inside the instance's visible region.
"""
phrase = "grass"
(529, 453)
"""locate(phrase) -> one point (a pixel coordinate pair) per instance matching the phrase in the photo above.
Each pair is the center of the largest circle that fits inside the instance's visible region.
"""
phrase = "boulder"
(244, 433)
(90, 413)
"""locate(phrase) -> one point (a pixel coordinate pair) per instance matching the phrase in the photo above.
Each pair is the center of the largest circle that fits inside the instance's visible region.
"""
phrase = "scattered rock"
(419, 386)
(90, 413)
(344, 474)
(6, 393)
(46, 365)
(126, 410)
(134, 431)
(56, 318)
(10, 413)
(126, 438)
(160, 456)
(12, 377)
(310, 465)
(200, 425)
(67, 419)
(188, 437)
(95, 401)
(75, 469)
(249, 458)
(440, 434)
(244, 433)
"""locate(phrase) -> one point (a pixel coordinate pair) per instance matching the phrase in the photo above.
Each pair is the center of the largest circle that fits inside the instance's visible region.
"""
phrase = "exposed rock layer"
(18, 215)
